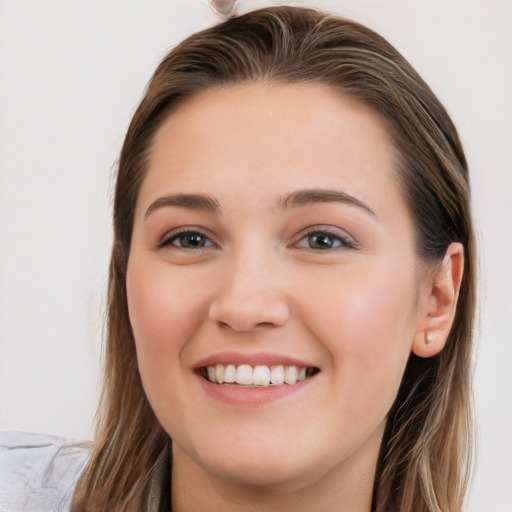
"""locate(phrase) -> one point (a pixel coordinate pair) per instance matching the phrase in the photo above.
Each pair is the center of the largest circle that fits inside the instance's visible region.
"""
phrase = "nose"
(250, 296)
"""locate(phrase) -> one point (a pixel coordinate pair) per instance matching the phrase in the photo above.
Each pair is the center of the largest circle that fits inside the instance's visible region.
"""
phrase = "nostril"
(265, 324)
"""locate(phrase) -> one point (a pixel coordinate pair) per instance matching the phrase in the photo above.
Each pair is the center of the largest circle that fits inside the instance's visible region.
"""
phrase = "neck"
(347, 487)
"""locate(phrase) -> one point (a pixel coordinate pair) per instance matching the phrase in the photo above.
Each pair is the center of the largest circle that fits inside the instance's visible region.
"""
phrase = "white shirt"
(38, 473)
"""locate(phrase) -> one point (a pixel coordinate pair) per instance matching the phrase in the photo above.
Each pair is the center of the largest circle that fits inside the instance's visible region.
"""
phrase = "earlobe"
(440, 304)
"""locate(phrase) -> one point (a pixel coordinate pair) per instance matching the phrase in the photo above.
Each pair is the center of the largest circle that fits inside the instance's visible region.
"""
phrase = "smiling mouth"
(259, 375)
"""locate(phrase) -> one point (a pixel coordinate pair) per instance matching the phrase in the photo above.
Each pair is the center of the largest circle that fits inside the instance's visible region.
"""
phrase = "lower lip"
(241, 395)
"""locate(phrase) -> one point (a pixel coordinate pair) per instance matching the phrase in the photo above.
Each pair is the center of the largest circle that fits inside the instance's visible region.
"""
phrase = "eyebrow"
(307, 197)
(297, 199)
(197, 202)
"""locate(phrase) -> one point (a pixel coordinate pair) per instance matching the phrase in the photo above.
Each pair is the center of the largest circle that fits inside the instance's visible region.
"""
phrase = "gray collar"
(155, 491)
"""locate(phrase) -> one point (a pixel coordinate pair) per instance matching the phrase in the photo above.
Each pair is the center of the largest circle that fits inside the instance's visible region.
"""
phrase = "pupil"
(321, 241)
(194, 240)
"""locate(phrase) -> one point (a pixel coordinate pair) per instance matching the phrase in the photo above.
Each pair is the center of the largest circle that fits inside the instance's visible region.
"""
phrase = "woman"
(292, 282)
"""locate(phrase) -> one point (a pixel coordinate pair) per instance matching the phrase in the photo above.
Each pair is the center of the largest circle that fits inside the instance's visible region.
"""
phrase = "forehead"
(271, 139)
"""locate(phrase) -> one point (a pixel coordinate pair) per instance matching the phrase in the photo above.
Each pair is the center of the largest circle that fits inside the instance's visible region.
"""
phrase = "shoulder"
(39, 472)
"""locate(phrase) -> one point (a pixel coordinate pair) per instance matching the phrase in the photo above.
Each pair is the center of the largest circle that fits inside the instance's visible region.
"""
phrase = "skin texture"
(258, 286)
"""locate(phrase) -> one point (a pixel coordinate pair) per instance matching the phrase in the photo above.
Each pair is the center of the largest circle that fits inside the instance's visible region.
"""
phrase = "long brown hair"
(426, 451)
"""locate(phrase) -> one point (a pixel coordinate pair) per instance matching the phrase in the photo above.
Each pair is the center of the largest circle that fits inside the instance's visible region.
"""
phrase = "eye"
(321, 239)
(187, 240)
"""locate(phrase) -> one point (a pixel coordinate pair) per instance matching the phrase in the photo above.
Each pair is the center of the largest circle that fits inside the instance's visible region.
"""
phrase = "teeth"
(290, 375)
(277, 375)
(219, 373)
(261, 375)
(244, 375)
(230, 373)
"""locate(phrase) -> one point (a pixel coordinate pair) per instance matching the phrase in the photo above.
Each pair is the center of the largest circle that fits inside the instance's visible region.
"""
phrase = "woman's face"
(271, 242)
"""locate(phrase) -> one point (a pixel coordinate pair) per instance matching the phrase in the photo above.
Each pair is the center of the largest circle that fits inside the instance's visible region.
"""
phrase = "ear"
(438, 303)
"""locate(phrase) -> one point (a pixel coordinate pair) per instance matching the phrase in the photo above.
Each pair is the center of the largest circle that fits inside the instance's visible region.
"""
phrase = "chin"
(260, 473)
(267, 461)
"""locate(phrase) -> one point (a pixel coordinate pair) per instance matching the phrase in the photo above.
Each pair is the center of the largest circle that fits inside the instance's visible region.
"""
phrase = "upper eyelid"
(330, 230)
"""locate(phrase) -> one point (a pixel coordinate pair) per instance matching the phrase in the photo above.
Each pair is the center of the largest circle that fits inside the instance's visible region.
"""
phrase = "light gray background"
(71, 74)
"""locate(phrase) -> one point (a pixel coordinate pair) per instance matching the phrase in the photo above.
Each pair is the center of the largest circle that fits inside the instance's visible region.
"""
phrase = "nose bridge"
(250, 293)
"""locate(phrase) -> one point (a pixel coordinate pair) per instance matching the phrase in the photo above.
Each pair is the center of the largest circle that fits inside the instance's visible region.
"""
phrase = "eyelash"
(343, 242)
(170, 238)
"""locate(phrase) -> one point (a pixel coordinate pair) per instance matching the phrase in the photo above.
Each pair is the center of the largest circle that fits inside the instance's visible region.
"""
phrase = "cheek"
(365, 305)
(162, 313)
(366, 320)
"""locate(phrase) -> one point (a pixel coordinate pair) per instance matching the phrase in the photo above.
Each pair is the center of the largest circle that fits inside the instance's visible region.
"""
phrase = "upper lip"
(253, 359)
